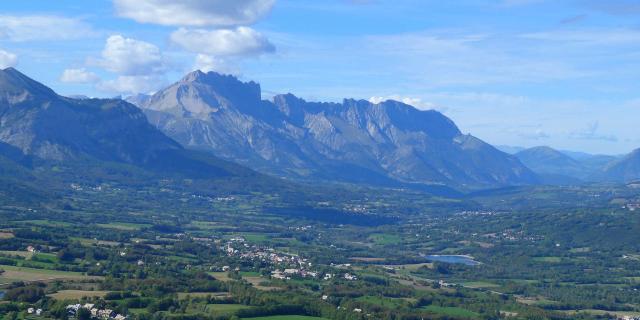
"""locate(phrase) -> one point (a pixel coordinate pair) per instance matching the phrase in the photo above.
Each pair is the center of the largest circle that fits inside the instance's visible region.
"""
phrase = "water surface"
(457, 259)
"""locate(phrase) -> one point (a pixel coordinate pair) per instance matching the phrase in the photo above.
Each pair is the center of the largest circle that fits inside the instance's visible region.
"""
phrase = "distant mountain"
(39, 125)
(510, 149)
(389, 143)
(565, 167)
(553, 166)
(625, 169)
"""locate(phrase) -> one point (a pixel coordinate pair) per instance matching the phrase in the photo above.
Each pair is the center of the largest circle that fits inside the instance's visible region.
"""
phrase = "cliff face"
(353, 141)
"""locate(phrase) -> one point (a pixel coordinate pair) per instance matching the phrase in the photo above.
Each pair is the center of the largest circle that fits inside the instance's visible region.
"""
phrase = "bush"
(29, 294)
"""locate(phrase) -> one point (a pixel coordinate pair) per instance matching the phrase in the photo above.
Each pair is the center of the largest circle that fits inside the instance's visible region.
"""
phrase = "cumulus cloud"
(132, 84)
(416, 102)
(240, 41)
(139, 65)
(194, 12)
(206, 63)
(80, 75)
(7, 59)
(130, 57)
(42, 27)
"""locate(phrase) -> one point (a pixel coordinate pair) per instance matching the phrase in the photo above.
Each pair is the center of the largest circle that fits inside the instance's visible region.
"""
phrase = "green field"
(225, 308)
(479, 284)
(451, 311)
(12, 273)
(125, 226)
(548, 259)
(255, 237)
(47, 223)
(385, 239)
(286, 318)
(383, 301)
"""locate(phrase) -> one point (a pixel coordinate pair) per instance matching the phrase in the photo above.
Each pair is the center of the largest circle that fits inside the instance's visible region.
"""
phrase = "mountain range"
(40, 129)
(389, 143)
(213, 126)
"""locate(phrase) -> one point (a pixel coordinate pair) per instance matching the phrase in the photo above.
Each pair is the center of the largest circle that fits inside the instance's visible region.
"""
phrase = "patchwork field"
(286, 318)
(225, 308)
(12, 274)
(6, 235)
(385, 239)
(124, 226)
(77, 294)
(452, 311)
(183, 295)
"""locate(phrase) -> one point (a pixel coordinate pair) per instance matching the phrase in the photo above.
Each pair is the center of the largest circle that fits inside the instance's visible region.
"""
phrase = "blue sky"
(512, 72)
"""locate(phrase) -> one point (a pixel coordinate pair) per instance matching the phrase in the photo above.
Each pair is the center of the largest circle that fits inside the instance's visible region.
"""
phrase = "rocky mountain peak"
(225, 84)
(15, 87)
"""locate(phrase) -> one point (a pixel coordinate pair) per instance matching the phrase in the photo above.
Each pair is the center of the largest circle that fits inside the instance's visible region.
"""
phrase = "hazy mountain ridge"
(350, 141)
(625, 169)
(566, 167)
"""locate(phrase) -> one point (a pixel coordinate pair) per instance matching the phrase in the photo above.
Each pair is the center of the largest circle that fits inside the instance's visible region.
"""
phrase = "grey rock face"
(354, 141)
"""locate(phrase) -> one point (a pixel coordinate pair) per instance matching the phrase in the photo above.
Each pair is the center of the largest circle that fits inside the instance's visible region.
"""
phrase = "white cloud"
(132, 84)
(80, 75)
(7, 59)
(206, 63)
(194, 12)
(416, 102)
(130, 57)
(42, 27)
(592, 132)
(241, 41)
(139, 66)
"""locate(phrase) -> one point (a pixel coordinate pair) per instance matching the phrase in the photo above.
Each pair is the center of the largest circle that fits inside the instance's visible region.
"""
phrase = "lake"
(458, 259)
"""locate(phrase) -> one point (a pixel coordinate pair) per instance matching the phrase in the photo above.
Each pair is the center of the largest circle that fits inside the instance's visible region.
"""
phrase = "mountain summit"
(389, 143)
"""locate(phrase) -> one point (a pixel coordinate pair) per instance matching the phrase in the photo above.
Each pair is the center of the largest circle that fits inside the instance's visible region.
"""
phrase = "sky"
(565, 74)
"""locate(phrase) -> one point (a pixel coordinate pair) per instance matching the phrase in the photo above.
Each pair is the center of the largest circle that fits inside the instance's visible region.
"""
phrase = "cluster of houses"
(633, 206)
(34, 311)
(78, 187)
(286, 274)
(514, 235)
(73, 309)
(475, 213)
(356, 208)
(294, 266)
(238, 247)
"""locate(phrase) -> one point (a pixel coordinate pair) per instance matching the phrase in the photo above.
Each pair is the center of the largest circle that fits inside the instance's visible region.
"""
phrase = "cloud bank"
(241, 41)
(198, 13)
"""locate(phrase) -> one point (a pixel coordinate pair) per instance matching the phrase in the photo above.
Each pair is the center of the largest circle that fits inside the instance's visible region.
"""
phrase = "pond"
(458, 259)
(1, 294)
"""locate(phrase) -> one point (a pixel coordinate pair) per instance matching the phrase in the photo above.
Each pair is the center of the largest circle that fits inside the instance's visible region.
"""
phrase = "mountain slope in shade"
(626, 169)
(36, 123)
(353, 141)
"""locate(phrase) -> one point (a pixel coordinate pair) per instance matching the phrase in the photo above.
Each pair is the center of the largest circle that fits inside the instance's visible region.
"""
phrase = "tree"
(83, 314)
(65, 255)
